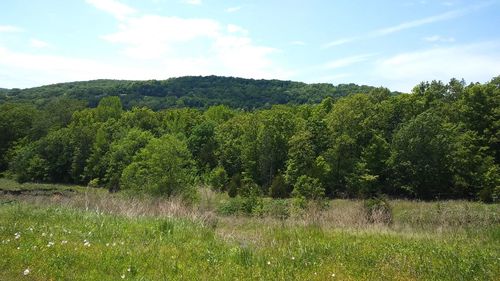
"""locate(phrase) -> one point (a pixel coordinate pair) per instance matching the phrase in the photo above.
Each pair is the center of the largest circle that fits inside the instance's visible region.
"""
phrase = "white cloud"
(152, 47)
(113, 7)
(338, 42)
(298, 43)
(38, 70)
(410, 24)
(192, 2)
(152, 36)
(10, 28)
(233, 9)
(416, 23)
(344, 62)
(232, 28)
(38, 43)
(475, 62)
(438, 38)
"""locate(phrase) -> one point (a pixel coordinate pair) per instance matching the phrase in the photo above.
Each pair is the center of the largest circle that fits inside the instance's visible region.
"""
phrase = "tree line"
(190, 91)
(439, 142)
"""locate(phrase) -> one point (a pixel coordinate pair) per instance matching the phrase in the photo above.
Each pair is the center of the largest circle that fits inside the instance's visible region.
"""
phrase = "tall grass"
(146, 238)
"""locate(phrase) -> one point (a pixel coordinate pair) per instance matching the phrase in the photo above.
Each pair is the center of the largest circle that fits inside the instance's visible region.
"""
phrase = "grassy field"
(93, 235)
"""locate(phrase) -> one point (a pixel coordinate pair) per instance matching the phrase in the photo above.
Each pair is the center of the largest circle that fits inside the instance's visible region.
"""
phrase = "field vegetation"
(93, 235)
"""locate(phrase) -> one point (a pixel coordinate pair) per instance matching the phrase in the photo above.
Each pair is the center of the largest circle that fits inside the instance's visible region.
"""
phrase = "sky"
(395, 44)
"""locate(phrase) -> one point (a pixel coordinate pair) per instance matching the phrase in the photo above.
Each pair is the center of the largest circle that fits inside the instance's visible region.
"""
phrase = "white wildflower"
(293, 258)
(26, 271)
(44, 234)
(123, 276)
(107, 244)
(268, 263)
(86, 243)
(50, 244)
(128, 269)
(64, 242)
(17, 235)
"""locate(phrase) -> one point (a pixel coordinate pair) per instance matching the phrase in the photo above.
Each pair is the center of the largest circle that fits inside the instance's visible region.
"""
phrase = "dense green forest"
(195, 92)
(440, 141)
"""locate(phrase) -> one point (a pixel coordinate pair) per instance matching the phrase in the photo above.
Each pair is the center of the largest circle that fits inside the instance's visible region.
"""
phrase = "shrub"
(230, 207)
(377, 210)
(234, 185)
(163, 167)
(279, 188)
(308, 188)
(218, 178)
(276, 208)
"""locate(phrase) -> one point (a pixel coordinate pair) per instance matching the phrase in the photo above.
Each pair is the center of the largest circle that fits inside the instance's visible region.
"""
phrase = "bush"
(234, 185)
(241, 205)
(163, 167)
(218, 179)
(377, 210)
(230, 207)
(308, 188)
(279, 188)
(276, 208)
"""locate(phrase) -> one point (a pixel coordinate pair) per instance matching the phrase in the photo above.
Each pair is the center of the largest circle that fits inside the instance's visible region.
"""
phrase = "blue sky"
(395, 44)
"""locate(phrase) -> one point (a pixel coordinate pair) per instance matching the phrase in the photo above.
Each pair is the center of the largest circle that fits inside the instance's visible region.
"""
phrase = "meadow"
(57, 232)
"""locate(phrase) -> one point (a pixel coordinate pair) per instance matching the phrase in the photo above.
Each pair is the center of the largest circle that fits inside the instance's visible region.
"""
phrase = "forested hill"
(190, 91)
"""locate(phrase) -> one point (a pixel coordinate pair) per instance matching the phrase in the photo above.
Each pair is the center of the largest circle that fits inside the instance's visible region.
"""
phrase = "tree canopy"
(440, 141)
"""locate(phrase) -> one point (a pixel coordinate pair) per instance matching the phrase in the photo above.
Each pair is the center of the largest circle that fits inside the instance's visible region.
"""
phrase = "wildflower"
(44, 234)
(128, 269)
(107, 244)
(17, 235)
(64, 242)
(268, 263)
(50, 244)
(114, 244)
(293, 258)
(333, 274)
(51, 235)
(123, 276)
(19, 248)
(26, 271)
(86, 243)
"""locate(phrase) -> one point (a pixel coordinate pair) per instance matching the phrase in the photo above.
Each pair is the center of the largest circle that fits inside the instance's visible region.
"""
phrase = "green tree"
(121, 153)
(308, 188)
(163, 167)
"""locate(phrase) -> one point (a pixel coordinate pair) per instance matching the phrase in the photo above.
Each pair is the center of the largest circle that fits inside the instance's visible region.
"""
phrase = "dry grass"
(408, 216)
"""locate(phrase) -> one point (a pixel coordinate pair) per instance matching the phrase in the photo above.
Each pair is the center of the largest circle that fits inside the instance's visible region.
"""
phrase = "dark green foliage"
(234, 185)
(279, 188)
(121, 153)
(163, 167)
(218, 179)
(439, 142)
(308, 188)
(197, 92)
